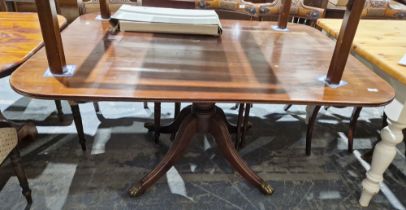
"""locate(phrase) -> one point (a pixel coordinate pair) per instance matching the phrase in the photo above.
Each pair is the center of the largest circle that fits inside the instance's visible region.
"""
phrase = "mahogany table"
(20, 38)
(249, 63)
(381, 44)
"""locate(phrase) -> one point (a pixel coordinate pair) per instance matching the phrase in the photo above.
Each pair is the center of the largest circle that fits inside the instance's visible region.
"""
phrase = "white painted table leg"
(384, 151)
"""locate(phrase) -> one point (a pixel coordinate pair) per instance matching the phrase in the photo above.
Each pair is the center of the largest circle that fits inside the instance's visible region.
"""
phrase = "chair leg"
(27, 131)
(2, 116)
(287, 107)
(310, 127)
(235, 106)
(77, 118)
(3, 6)
(239, 125)
(176, 113)
(245, 124)
(384, 120)
(351, 129)
(19, 171)
(404, 139)
(96, 106)
(177, 109)
(58, 105)
(157, 121)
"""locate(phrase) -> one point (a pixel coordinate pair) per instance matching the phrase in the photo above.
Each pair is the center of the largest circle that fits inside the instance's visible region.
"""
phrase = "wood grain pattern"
(20, 37)
(381, 42)
(249, 63)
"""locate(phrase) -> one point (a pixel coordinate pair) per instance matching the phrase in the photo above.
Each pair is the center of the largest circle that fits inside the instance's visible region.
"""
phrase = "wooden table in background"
(381, 44)
(249, 63)
(20, 38)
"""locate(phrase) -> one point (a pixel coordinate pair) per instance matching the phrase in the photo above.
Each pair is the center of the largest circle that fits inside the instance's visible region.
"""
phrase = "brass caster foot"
(135, 190)
(266, 188)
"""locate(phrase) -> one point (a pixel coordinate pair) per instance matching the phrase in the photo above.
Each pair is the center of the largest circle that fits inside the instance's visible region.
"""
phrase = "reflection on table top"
(381, 42)
(249, 63)
(20, 37)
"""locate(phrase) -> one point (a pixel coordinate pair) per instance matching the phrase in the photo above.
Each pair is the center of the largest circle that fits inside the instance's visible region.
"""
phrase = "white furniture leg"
(384, 151)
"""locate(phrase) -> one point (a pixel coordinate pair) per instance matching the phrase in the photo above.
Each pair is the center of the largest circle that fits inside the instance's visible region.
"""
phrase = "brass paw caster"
(266, 188)
(135, 190)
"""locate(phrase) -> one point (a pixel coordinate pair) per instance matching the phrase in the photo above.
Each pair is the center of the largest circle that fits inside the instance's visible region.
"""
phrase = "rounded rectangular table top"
(20, 37)
(250, 62)
(381, 42)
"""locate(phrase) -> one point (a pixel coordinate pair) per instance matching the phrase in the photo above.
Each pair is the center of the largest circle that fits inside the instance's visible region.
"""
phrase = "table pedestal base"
(199, 118)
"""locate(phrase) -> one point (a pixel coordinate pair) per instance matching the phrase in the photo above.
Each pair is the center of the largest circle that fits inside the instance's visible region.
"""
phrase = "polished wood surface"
(381, 42)
(249, 63)
(20, 37)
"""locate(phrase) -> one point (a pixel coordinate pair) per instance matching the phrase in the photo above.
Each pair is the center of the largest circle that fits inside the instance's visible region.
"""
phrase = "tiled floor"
(121, 151)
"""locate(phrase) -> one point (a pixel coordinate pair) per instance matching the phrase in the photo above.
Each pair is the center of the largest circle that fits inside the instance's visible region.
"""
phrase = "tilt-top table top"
(20, 37)
(250, 62)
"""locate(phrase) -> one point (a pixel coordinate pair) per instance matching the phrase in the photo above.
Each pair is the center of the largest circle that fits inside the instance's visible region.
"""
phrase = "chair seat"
(8, 141)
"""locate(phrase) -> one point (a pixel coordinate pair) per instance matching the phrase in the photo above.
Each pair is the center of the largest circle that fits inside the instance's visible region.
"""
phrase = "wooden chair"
(89, 6)
(384, 9)
(373, 9)
(8, 148)
(3, 6)
(299, 13)
(316, 3)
